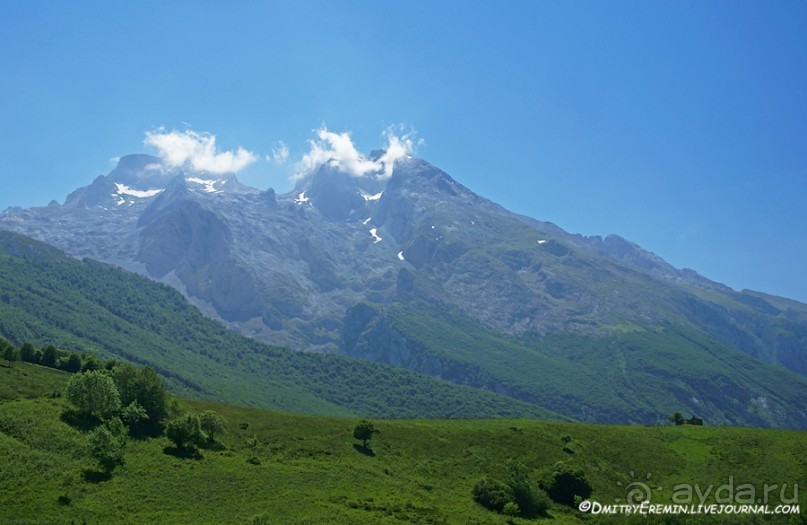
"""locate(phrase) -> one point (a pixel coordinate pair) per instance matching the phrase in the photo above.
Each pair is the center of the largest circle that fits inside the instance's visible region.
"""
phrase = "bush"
(186, 432)
(517, 497)
(563, 483)
(531, 500)
(107, 443)
(511, 508)
(492, 494)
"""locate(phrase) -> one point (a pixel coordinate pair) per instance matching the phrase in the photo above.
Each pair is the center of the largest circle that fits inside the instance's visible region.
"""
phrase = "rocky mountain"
(383, 267)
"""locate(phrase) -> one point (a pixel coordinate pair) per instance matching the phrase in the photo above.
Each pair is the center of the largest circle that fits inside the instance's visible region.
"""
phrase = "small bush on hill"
(186, 432)
(492, 494)
(563, 483)
(518, 496)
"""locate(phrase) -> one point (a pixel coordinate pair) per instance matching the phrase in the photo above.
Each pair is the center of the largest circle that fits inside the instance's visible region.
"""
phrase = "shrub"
(492, 494)
(107, 443)
(186, 432)
(563, 483)
(531, 500)
(511, 508)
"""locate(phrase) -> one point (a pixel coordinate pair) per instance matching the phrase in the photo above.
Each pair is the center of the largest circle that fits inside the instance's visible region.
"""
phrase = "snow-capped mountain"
(376, 266)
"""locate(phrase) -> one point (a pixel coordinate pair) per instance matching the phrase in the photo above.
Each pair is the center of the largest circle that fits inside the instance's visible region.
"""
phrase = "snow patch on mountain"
(374, 233)
(142, 194)
(372, 197)
(208, 185)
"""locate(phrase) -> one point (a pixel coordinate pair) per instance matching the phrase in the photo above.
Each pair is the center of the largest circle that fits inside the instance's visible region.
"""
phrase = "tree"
(28, 353)
(93, 393)
(50, 356)
(107, 443)
(186, 432)
(364, 432)
(212, 424)
(151, 394)
(71, 364)
(143, 386)
(677, 418)
(91, 363)
(125, 377)
(10, 354)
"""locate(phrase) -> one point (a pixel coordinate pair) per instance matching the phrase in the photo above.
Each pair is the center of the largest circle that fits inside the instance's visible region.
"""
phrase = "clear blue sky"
(681, 126)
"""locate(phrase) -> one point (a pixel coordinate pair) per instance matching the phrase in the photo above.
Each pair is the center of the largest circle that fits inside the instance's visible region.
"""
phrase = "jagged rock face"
(291, 269)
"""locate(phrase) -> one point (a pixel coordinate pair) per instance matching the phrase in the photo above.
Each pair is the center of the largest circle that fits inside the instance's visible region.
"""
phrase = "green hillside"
(279, 468)
(49, 298)
(629, 375)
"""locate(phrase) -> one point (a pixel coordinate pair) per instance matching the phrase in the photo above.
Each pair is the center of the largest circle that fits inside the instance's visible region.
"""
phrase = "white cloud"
(197, 151)
(338, 150)
(279, 154)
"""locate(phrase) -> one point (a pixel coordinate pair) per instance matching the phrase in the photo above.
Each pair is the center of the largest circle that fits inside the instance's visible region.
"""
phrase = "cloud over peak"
(338, 150)
(197, 151)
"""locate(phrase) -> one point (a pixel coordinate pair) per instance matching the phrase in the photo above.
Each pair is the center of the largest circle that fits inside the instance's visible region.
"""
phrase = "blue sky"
(681, 126)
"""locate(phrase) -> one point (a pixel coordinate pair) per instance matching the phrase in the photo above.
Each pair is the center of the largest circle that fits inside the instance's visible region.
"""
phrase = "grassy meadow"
(272, 467)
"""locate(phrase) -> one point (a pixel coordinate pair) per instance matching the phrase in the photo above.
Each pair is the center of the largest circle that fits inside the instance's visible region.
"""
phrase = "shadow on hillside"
(185, 453)
(367, 451)
(214, 445)
(96, 476)
(145, 430)
(81, 422)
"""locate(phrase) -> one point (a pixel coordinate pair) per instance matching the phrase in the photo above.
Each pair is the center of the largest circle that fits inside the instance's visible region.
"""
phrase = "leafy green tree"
(125, 377)
(150, 392)
(212, 423)
(71, 363)
(143, 386)
(93, 393)
(677, 418)
(28, 353)
(186, 432)
(107, 443)
(10, 354)
(91, 363)
(364, 432)
(50, 356)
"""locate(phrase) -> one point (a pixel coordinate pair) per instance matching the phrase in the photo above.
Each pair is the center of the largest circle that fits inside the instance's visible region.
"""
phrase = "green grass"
(422, 471)
(24, 380)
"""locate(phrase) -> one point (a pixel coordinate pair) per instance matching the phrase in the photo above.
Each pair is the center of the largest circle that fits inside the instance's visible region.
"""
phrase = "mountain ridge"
(295, 269)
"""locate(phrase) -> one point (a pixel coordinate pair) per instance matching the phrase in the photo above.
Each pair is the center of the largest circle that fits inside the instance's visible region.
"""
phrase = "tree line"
(51, 357)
